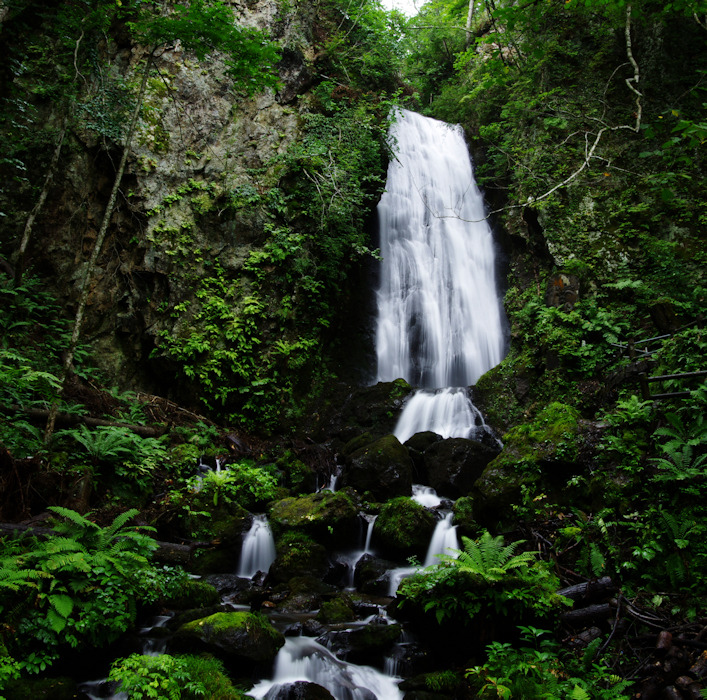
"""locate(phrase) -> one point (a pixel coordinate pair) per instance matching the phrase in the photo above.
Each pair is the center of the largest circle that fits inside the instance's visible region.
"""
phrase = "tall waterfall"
(440, 324)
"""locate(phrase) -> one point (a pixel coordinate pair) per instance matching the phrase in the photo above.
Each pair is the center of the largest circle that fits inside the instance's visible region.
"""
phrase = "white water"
(425, 496)
(444, 539)
(304, 659)
(258, 551)
(439, 318)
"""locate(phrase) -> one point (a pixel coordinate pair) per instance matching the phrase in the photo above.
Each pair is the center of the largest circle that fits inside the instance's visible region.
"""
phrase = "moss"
(297, 555)
(464, 516)
(193, 594)
(318, 514)
(404, 527)
(337, 610)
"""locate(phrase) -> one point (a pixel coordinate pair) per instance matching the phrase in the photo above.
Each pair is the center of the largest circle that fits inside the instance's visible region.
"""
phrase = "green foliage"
(173, 677)
(627, 442)
(242, 482)
(486, 579)
(540, 669)
(79, 586)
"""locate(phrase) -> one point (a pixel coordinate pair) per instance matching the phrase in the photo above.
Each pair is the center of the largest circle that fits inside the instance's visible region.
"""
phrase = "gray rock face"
(299, 690)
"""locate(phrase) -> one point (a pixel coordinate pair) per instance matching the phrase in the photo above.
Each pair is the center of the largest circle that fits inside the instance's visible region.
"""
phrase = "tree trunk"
(27, 233)
(469, 17)
(88, 273)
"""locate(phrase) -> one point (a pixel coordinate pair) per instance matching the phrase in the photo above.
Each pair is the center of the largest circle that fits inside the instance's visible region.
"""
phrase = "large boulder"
(324, 515)
(383, 469)
(367, 645)
(453, 465)
(371, 575)
(403, 528)
(298, 555)
(240, 639)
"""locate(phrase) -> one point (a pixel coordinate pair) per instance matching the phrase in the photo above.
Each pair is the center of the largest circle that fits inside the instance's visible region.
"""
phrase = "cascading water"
(258, 551)
(440, 324)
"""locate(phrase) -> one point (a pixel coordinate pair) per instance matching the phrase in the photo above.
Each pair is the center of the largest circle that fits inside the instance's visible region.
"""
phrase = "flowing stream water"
(440, 323)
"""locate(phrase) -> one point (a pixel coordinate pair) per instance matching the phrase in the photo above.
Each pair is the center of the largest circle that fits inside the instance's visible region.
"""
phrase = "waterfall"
(304, 659)
(440, 324)
(258, 551)
(443, 539)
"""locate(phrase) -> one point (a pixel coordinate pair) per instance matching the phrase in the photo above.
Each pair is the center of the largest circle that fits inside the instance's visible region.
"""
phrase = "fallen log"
(589, 614)
(69, 419)
(588, 590)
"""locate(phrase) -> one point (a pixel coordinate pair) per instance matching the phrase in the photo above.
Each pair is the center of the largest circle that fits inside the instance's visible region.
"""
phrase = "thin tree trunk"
(27, 233)
(88, 272)
(469, 17)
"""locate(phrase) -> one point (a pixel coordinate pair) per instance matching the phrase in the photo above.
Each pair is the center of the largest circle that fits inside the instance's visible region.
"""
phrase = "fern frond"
(119, 521)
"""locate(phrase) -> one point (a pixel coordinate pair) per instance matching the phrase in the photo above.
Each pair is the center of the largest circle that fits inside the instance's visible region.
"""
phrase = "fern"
(489, 557)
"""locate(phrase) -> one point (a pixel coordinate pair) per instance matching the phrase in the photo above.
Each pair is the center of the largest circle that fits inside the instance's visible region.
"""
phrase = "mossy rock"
(403, 528)
(192, 594)
(382, 469)
(324, 515)
(301, 478)
(464, 517)
(364, 645)
(303, 593)
(371, 575)
(228, 534)
(416, 447)
(238, 638)
(453, 465)
(297, 555)
(357, 443)
(337, 610)
(40, 689)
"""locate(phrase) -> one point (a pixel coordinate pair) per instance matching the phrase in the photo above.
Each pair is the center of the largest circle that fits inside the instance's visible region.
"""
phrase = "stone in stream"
(299, 690)
(240, 639)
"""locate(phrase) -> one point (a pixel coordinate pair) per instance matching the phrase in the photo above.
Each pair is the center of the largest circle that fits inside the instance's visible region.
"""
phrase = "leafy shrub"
(539, 670)
(243, 483)
(173, 677)
(484, 579)
(79, 586)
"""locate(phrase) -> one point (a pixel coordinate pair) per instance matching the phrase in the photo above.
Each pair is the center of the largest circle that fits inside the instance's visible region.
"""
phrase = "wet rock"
(337, 610)
(453, 465)
(383, 469)
(416, 446)
(371, 575)
(299, 690)
(323, 515)
(303, 594)
(464, 517)
(365, 645)
(298, 555)
(403, 528)
(238, 638)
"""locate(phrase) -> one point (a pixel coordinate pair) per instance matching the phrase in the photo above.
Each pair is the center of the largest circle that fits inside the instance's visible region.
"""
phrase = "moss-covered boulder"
(40, 689)
(297, 555)
(403, 528)
(302, 594)
(383, 469)
(240, 639)
(347, 411)
(371, 575)
(453, 465)
(545, 450)
(325, 515)
(364, 645)
(337, 610)
(464, 517)
(192, 594)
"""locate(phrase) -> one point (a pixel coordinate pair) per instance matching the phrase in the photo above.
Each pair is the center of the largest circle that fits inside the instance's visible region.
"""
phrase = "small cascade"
(447, 412)
(102, 690)
(440, 322)
(444, 539)
(304, 659)
(258, 551)
(351, 558)
(152, 645)
(425, 496)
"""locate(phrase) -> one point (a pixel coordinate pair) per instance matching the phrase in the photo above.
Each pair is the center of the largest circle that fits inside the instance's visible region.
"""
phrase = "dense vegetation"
(587, 123)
